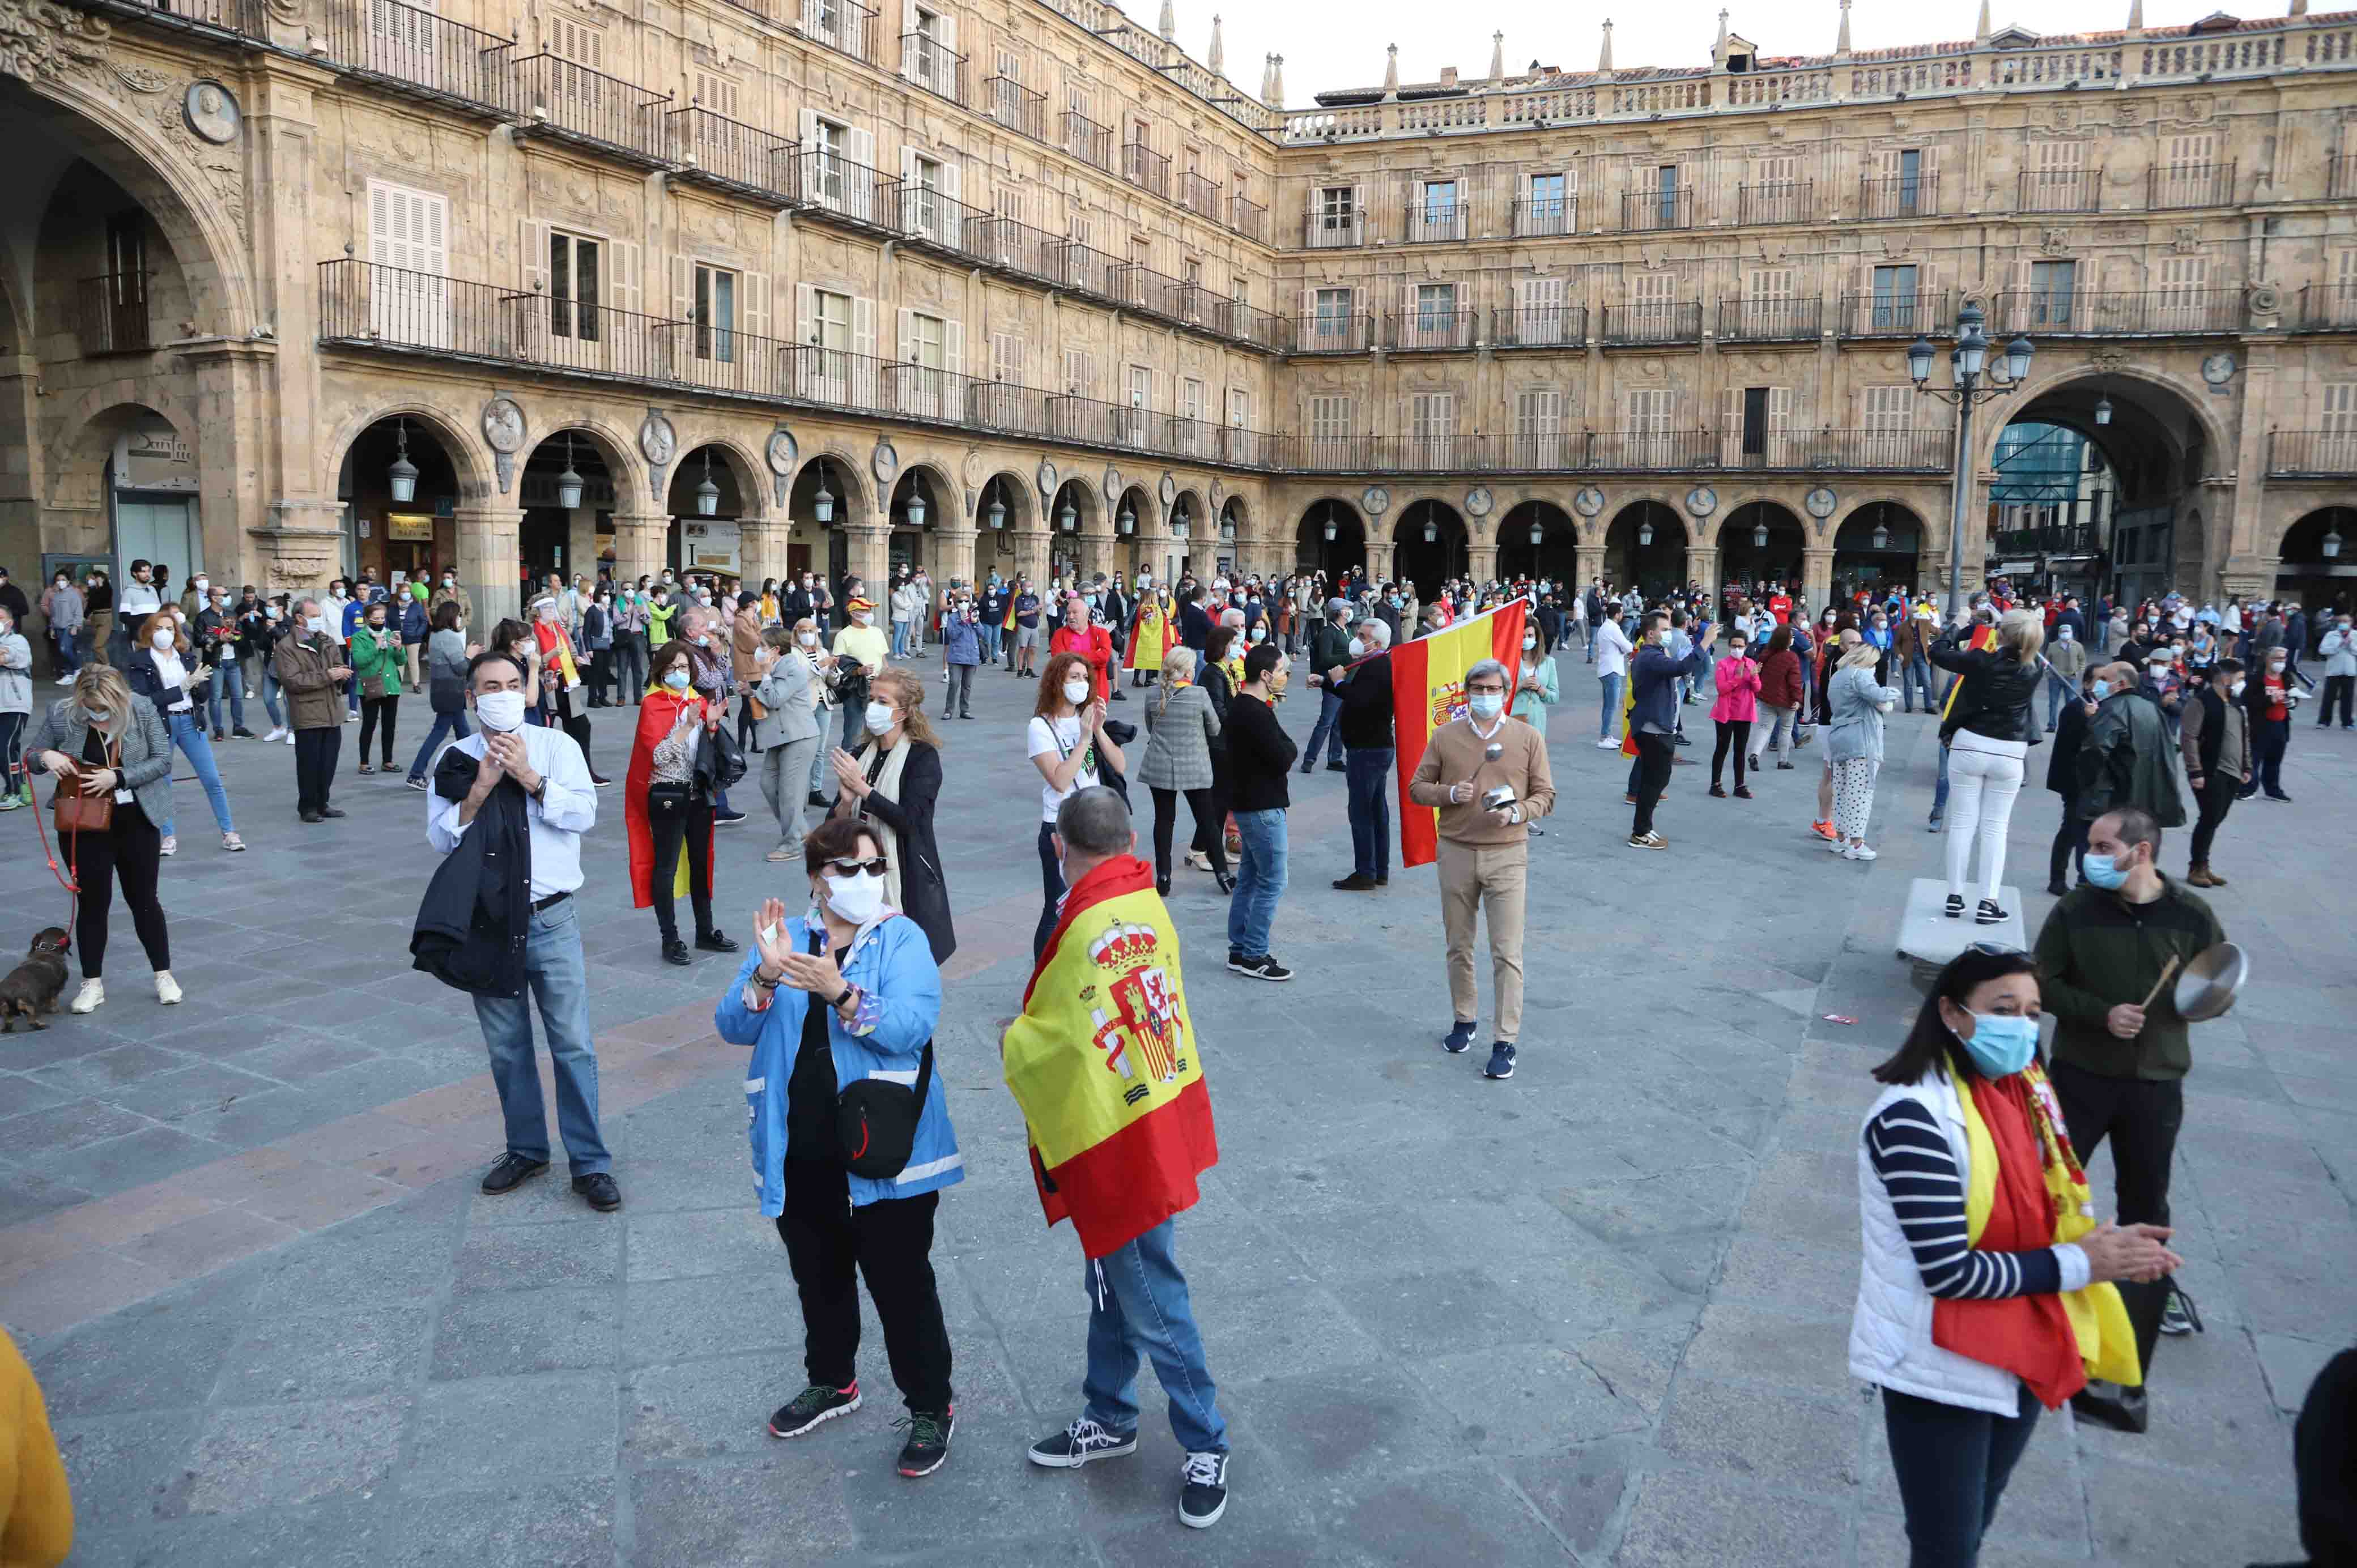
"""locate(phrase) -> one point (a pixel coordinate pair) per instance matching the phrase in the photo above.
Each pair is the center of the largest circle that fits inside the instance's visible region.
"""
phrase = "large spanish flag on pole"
(1428, 691)
(1106, 1065)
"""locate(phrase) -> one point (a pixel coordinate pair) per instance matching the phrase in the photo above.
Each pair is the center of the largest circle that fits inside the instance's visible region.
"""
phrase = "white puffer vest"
(1890, 1332)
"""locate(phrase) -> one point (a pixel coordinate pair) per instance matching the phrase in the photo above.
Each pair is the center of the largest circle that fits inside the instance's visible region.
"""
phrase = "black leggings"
(2212, 802)
(2070, 846)
(1737, 734)
(1208, 827)
(371, 710)
(670, 831)
(1052, 889)
(130, 852)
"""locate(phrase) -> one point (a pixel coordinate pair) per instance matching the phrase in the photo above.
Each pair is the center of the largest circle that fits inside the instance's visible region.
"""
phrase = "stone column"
(957, 552)
(488, 562)
(761, 546)
(870, 549)
(1702, 565)
(1482, 560)
(1379, 559)
(1031, 555)
(639, 540)
(1096, 554)
(1817, 578)
(581, 543)
(1588, 559)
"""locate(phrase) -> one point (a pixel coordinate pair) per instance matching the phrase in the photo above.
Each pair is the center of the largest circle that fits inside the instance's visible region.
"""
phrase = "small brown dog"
(33, 987)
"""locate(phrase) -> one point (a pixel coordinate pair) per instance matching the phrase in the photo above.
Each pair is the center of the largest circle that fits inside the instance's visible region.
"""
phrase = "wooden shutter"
(626, 254)
(2338, 438)
(954, 347)
(863, 326)
(1780, 427)
(683, 288)
(1730, 427)
(908, 47)
(860, 147)
(532, 251)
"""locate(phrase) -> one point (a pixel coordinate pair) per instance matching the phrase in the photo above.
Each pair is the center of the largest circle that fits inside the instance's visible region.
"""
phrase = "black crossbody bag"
(875, 1118)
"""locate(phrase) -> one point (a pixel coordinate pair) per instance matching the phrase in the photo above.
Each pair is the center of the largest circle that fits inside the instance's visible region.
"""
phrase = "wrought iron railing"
(1539, 327)
(1893, 314)
(1016, 106)
(1347, 332)
(114, 313)
(553, 96)
(1777, 201)
(2328, 307)
(1899, 196)
(1647, 211)
(1199, 194)
(1247, 217)
(2156, 313)
(1770, 320)
(1535, 217)
(1088, 141)
(2190, 185)
(1333, 229)
(1422, 329)
(832, 186)
(1663, 321)
(726, 154)
(844, 25)
(2313, 452)
(1431, 222)
(417, 54)
(933, 66)
(1145, 169)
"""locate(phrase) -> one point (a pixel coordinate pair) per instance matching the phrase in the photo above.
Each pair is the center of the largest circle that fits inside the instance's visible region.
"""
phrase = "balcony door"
(409, 292)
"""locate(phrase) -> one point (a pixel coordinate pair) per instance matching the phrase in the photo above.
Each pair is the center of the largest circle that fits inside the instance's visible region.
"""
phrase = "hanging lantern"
(2332, 544)
(822, 503)
(995, 511)
(916, 509)
(1070, 518)
(568, 483)
(1329, 526)
(1760, 536)
(1645, 534)
(1881, 536)
(1227, 528)
(403, 473)
(707, 494)
(2103, 410)
(1431, 531)
(1128, 520)
(1538, 531)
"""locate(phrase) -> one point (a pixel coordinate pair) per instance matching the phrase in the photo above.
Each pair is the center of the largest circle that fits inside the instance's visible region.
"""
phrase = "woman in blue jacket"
(844, 992)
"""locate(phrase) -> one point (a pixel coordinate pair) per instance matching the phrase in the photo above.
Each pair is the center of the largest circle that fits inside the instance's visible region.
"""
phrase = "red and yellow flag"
(1106, 1065)
(1428, 691)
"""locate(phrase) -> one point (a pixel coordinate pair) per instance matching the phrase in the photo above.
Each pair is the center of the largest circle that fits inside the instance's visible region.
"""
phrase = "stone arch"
(1312, 551)
(749, 470)
(1191, 504)
(206, 228)
(1907, 531)
(75, 462)
(845, 479)
(1656, 566)
(617, 449)
(2067, 396)
(1554, 553)
(945, 496)
(448, 426)
(2302, 569)
(1015, 491)
(1715, 529)
(1429, 561)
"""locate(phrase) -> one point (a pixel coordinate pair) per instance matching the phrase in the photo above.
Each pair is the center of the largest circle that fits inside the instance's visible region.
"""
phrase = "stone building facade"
(299, 286)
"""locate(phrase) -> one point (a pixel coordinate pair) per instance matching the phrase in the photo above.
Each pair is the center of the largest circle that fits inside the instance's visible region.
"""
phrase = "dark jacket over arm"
(924, 894)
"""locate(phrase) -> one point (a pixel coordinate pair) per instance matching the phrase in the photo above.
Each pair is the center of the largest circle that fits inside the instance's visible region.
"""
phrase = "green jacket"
(2126, 760)
(660, 620)
(2097, 951)
(369, 661)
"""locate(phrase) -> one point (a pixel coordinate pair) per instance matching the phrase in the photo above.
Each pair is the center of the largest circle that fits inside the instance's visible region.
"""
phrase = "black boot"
(676, 952)
(2114, 1406)
(716, 942)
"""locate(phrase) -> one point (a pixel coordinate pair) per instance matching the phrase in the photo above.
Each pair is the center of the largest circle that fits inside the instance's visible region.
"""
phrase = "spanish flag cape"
(1428, 693)
(1150, 633)
(1106, 1067)
(2053, 1343)
(659, 710)
(557, 652)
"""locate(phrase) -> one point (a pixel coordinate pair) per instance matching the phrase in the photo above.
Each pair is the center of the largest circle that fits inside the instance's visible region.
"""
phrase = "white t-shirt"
(1058, 741)
(1612, 648)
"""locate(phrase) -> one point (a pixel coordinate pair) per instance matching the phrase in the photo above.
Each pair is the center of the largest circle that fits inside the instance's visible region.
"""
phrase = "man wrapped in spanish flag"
(1106, 1067)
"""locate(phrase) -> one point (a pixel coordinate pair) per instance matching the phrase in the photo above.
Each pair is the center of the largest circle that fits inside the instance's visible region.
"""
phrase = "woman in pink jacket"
(1738, 705)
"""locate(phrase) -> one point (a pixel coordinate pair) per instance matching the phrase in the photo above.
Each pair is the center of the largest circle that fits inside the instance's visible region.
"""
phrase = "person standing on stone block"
(539, 770)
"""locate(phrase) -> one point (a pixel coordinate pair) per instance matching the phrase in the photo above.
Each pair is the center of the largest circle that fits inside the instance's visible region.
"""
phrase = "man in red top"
(2267, 696)
(1780, 604)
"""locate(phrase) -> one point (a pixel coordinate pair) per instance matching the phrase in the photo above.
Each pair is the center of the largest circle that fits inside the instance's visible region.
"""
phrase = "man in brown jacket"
(1487, 772)
(308, 661)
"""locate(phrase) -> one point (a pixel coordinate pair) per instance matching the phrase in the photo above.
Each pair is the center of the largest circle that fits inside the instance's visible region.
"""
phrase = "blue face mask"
(2105, 872)
(2001, 1046)
(2100, 690)
(676, 680)
(1486, 704)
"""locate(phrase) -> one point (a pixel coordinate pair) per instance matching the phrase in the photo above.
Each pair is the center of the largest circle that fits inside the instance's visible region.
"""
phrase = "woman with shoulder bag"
(667, 812)
(1857, 700)
(164, 671)
(785, 683)
(1988, 731)
(1180, 726)
(889, 786)
(840, 1005)
(1067, 742)
(112, 758)
(448, 652)
(560, 679)
(377, 663)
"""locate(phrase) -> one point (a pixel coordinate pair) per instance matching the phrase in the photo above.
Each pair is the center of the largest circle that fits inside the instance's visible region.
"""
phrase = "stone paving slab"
(1596, 1314)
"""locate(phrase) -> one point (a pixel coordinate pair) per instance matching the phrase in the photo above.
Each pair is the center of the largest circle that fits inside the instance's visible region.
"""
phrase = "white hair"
(1377, 632)
(1231, 618)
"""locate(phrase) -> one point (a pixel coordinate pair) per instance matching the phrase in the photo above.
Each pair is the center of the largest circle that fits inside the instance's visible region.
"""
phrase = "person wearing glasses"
(1986, 1292)
(844, 992)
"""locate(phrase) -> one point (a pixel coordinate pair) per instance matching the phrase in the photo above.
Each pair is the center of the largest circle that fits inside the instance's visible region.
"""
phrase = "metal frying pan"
(2210, 981)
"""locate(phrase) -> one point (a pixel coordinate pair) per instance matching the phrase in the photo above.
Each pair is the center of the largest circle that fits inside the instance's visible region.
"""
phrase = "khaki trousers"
(1490, 878)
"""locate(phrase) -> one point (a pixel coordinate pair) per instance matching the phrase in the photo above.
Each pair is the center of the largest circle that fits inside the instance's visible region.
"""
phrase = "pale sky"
(1340, 43)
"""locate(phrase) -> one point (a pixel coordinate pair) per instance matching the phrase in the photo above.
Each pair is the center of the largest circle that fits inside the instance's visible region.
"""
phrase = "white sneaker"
(277, 733)
(91, 997)
(1858, 851)
(1608, 743)
(1836, 846)
(350, 717)
(66, 679)
(167, 990)
(171, 844)
(290, 737)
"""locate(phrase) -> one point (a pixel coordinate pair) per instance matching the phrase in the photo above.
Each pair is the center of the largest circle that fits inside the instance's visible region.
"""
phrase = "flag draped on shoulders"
(1106, 1067)
(1428, 691)
(1150, 633)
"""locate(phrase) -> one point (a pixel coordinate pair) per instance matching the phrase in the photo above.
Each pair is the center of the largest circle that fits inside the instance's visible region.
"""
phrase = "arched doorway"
(400, 487)
(1539, 540)
(1234, 532)
(825, 494)
(2319, 564)
(1430, 546)
(1646, 547)
(1762, 541)
(1002, 509)
(1072, 529)
(706, 499)
(567, 490)
(1194, 538)
(1133, 521)
(1331, 539)
(917, 498)
(1877, 547)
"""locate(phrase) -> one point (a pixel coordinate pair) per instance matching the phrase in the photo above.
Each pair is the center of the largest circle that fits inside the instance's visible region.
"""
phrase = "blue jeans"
(1138, 1302)
(1939, 795)
(1329, 708)
(988, 641)
(1260, 877)
(68, 647)
(900, 632)
(1370, 810)
(1611, 713)
(231, 676)
(1913, 672)
(451, 725)
(1952, 1465)
(558, 979)
(188, 731)
(2057, 692)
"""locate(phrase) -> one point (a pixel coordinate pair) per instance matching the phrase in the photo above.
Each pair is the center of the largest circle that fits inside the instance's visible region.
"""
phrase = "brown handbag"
(79, 812)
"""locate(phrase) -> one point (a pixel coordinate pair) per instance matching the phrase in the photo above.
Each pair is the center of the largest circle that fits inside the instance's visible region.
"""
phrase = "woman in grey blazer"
(787, 733)
(1180, 725)
(116, 742)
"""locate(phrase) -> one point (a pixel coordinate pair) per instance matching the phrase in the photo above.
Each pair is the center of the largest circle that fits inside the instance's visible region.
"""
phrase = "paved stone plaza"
(1596, 1314)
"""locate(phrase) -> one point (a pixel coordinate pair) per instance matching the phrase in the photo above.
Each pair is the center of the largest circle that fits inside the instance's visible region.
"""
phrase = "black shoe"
(418, 785)
(1226, 879)
(819, 801)
(1988, 914)
(1308, 767)
(2057, 889)
(676, 952)
(1680, 740)
(1261, 968)
(965, 715)
(1118, 696)
(1203, 1490)
(1718, 791)
(597, 1189)
(1501, 1060)
(599, 782)
(242, 733)
(1336, 768)
(2276, 796)
(1955, 908)
(331, 811)
(927, 1448)
(1743, 792)
(1162, 887)
(2114, 1406)
(718, 941)
(1355, 883)
(510, 1173)
(311, 817)
(727, 819)
(1079, 1444)
(812, 1407)
(1459, 1038)
(219, 734)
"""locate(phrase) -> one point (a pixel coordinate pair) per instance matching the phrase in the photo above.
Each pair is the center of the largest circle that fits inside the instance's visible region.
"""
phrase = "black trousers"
(130, 852)
(2212, 802)
(891, 1242)
(315, 764)
(577, 726)
(2141, 1116)
(631, 661)
(1654, 755)
(372, 710)
(1052, 889)
(1737, 734)
(1207, 826)
(2337, 689)
(2070, 849)
(1215, 830)
(692, 829)
(601, 675)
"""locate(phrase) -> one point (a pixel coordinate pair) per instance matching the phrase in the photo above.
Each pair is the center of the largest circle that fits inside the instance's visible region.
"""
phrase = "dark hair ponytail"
(1930, 1043)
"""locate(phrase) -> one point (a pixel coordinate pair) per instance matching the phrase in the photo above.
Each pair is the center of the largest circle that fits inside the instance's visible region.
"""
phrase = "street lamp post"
(1967, 362)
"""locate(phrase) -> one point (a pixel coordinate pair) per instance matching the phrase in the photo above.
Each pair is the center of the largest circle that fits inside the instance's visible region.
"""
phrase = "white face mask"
(1076, 692)
(1530, 642)
(501, 710)
(857, 898)
(807, 639)
(859, 617)
(879, 717)
(163, 641)
(1259, 634)
(1358, 648)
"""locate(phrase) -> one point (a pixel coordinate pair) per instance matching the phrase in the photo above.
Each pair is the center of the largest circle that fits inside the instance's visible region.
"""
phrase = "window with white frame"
(715, 312)
(1330, 429)
(1331, 326)
(1433, 324)
(1548, 210)
(1538, 427)
(1432, 423)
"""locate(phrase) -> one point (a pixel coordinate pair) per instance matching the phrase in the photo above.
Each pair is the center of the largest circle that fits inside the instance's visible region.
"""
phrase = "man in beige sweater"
(1487, 772)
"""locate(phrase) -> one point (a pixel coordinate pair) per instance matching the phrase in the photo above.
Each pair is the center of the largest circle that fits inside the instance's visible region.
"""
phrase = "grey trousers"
(783, 770)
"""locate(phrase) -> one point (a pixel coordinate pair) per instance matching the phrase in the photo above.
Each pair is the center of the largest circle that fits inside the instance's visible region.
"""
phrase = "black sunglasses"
(878, 866)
